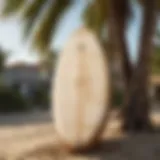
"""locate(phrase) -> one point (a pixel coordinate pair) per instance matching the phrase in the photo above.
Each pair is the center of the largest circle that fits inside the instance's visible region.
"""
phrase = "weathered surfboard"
(81, 90)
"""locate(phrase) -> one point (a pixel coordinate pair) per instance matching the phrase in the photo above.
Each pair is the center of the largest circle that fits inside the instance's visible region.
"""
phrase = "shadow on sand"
(136, 147)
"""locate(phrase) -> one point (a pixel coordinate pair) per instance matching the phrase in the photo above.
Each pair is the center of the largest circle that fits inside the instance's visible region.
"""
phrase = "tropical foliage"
(40, 16)
(11, 100)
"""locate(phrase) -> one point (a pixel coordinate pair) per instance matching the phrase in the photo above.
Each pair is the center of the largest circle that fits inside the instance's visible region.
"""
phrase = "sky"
(11, 34)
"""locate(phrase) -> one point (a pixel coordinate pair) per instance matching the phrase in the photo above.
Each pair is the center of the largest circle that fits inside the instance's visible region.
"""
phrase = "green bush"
(11, 101)
(40, 98)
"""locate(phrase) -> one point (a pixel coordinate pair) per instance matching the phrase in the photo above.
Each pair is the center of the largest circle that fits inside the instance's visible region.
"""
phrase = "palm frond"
(31, 14)
(11, 7)
(44, 32)
(96, 14)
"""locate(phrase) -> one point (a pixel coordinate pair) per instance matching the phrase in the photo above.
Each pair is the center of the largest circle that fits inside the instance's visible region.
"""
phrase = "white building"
(26, 77)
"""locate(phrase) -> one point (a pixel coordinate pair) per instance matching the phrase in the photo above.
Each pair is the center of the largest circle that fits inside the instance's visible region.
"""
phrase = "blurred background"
(31, 40)
(32, 34)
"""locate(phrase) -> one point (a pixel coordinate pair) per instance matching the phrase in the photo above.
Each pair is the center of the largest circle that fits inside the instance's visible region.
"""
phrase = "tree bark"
(136, 111)
(119, 11)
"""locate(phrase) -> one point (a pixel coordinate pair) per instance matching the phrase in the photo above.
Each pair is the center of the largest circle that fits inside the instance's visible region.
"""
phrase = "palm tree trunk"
(119, 11)
(136, 113)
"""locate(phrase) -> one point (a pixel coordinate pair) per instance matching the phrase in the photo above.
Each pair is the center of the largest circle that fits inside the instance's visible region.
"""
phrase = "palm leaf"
(95, 15)
(12, 6)
(44, 32)
(31, 14)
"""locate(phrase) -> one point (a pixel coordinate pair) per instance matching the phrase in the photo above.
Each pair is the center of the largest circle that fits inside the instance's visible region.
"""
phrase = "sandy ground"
(32, 136)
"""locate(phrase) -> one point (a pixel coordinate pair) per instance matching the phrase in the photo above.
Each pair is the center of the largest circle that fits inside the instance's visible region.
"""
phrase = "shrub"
(41, 97)
(11, 101)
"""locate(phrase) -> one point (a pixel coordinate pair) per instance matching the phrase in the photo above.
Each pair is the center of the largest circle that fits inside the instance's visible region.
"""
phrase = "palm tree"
(136, 110)
(40, 17)
(138, 105)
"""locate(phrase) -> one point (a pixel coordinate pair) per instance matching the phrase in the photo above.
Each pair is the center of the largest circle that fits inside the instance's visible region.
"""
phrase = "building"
(23, 76)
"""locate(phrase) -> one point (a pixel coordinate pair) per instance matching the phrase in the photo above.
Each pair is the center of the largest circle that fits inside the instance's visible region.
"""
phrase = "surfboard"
(81, 90)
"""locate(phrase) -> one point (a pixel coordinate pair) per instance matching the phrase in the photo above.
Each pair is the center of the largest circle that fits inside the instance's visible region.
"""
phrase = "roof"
(23, 65)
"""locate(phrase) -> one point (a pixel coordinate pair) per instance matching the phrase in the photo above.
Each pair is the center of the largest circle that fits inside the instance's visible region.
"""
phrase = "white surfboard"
(81, 90)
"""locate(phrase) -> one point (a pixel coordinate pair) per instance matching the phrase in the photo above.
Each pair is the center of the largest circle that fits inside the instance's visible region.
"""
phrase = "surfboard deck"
(81, 90)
